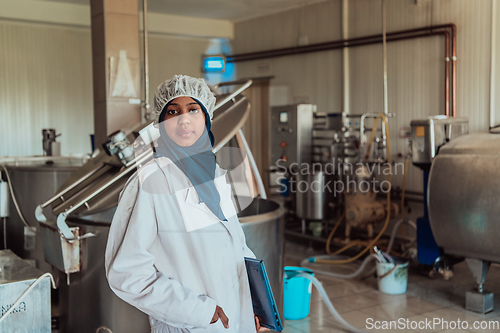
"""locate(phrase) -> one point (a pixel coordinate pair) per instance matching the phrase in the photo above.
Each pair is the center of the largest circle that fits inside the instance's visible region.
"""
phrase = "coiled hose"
(323, 258)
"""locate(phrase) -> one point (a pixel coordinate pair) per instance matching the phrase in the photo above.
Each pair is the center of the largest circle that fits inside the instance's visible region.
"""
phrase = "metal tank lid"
(476, 144)
(43, 163)
(439, 119)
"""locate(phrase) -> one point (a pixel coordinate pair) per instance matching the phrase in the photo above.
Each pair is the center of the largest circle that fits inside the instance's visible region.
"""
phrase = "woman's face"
(184, 121)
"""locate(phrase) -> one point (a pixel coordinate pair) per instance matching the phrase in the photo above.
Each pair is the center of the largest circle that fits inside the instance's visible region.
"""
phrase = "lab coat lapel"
(192, 199)
(189, 202)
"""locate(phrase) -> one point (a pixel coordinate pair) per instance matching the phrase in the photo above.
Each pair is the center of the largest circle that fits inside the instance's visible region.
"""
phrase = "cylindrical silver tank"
(314, 192)
(33, 183)
(463, 197)
(310, 195)
(88, 303)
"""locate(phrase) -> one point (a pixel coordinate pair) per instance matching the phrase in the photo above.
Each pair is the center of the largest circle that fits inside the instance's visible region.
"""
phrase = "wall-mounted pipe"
(493, 64)
(145, 103)
(384, 52)
(375, 39)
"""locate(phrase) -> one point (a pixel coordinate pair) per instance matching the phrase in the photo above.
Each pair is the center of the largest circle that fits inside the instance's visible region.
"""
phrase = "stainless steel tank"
(88, 302)
(463, 197)
(33, 182)
(314, 191)
(264, 226)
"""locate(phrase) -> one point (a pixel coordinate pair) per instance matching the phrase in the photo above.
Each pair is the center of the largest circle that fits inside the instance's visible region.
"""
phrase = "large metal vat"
(88, 303)
(34, 182)
(463, 197)
(263, 227)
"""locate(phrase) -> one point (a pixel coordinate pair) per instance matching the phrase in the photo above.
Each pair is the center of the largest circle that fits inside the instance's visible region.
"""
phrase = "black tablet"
(264, 305)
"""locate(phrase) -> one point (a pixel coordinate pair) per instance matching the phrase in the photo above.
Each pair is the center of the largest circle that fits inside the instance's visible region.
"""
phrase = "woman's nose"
(183, 119)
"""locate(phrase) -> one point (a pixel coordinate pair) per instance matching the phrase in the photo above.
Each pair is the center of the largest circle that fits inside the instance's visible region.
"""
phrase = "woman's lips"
(185, 134)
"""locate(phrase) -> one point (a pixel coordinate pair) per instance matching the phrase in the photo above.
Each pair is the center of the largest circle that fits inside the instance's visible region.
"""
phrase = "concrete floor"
(358, 300)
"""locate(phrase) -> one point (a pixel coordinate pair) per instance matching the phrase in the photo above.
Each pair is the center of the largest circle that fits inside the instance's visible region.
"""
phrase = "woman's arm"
(131, 270)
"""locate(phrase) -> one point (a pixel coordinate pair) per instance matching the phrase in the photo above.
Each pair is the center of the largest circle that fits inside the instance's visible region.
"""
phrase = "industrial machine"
(464, 187)
(291, 128)
(428, 136)
(334, 179)
(75, 220)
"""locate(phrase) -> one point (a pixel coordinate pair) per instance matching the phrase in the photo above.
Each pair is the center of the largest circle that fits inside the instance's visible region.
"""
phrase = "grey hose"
(342, 276)
(328, 303)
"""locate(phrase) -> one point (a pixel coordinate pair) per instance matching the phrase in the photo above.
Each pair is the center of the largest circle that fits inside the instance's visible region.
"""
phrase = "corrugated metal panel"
(317, 76)
(46, 82)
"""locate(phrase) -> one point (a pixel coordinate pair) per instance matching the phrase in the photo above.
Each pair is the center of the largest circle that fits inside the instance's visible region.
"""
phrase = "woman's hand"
(258, 327)
(219, 314)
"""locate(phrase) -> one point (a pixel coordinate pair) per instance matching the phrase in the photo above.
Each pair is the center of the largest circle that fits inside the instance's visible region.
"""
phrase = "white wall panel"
(46, 82)
(317, 76)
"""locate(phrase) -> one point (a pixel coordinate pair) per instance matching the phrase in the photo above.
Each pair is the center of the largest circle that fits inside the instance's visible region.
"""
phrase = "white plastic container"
(392, 280)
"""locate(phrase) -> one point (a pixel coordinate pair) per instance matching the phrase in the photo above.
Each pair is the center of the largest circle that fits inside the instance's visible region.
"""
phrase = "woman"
(176, 248)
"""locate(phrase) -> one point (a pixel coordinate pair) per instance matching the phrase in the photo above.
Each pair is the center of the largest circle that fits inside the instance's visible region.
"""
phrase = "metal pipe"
(328, 45)
(253, 165)
(454, 71)
(447, 73)
(384, 51)
(345, 58)
(367, 40)
(230, 83)
(493, 65)
(61, 218)
(233, 95)
(146, 59)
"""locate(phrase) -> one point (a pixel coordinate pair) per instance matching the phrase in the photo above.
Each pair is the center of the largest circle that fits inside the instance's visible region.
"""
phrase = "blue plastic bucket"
(297, 293)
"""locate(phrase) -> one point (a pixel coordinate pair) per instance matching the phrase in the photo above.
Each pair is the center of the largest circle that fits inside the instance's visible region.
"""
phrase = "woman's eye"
(195, 110)
(171, 111)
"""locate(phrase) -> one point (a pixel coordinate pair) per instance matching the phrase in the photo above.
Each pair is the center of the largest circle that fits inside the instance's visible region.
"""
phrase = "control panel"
(291, 134)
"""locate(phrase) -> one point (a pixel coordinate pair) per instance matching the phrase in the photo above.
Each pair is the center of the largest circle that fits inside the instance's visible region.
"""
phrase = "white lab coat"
(170, 257)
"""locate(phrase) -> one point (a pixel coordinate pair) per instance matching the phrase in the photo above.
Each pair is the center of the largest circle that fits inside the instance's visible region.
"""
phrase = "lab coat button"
(228, 244)
(235, 285)
(237, 326)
